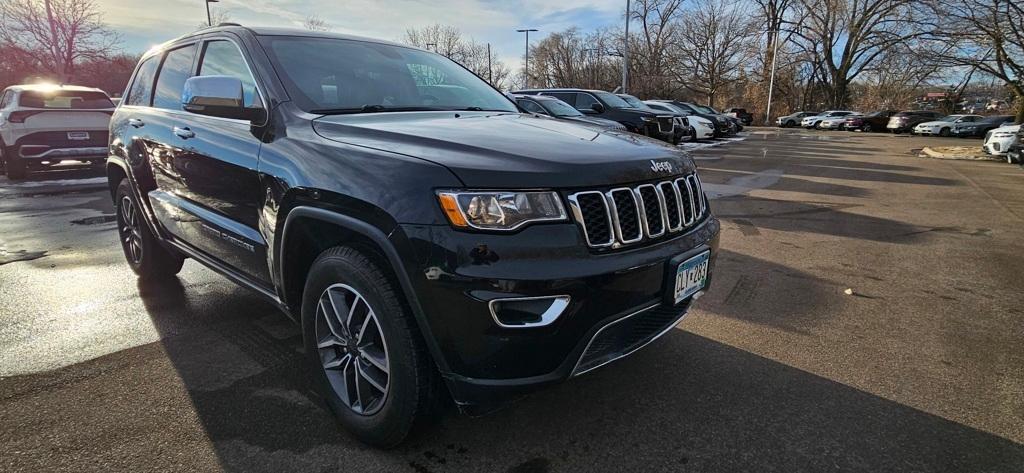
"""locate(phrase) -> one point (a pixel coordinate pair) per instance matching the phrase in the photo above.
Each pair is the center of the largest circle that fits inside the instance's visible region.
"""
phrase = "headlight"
(648, 119)
(1003, 134)
(500, 210)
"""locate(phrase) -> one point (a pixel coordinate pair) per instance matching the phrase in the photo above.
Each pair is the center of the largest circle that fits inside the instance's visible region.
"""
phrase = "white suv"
(42, 125)
(999, 141)
(814, 121)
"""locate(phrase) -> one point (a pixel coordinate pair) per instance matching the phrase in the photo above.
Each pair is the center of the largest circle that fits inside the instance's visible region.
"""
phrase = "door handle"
(135, 122)
(184, 133)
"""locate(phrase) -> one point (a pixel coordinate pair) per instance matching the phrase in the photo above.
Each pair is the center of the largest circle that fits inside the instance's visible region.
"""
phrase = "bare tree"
(314, 22)
(449, 42)
(847, 36)
(57, 33)
(650, 66)
(713, 48)
(217, 16)
(987, 35)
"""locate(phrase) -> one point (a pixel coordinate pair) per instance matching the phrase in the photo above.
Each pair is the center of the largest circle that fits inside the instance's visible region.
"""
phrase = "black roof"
(278, 31)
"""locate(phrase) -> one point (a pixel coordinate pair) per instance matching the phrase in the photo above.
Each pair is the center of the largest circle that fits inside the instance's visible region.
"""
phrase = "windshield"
(949, 118)
(612, 100)
(326, 75)
(635, 102)
(559, 108)
(674, 108)
(65, 99)
(703, 109)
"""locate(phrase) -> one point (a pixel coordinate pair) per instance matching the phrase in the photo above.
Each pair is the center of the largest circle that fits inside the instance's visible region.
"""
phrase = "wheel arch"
(308, 231)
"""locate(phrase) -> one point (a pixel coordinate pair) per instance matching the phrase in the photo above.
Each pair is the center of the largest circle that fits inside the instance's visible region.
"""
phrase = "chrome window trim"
(559, 303)
(646, 226)
(577, 213)
(615, 215)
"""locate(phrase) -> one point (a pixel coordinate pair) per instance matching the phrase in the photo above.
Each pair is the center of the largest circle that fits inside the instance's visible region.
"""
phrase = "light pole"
(625, 52)
(526, 66)
(209, 19)
(771, 82)
(428, 45)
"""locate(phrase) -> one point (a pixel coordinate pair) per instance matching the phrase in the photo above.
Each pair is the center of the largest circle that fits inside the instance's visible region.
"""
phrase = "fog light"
(528, 312)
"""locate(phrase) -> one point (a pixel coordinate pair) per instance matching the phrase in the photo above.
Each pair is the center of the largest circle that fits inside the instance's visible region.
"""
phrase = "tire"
(16, 169)
(944, 132)
(693, 135)
(790, 123)
(866, 128)
(817, 125)
(411, 390)
(143, 252)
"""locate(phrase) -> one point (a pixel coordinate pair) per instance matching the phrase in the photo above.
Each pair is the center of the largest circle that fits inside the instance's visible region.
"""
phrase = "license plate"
(692, 276)
(78, 135)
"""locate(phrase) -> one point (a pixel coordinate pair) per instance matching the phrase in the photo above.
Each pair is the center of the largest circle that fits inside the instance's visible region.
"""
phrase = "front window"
(559, 108)
(325, 75)
(612, 100)
(703, 109)
(635, 102)
(64, 99)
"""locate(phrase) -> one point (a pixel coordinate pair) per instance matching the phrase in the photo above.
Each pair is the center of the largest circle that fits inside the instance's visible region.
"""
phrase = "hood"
(934, 123)
(595, 121)
(510, 150)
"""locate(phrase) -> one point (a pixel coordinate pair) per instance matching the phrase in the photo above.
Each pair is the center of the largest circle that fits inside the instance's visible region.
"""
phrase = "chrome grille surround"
(676, 204)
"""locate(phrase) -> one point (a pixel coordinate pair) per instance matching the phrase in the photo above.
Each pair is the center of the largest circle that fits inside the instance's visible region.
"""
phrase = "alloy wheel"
(352, 350)
(131, 230)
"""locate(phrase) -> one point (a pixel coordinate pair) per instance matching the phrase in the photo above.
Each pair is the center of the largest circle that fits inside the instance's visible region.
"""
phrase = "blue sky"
(145, 23)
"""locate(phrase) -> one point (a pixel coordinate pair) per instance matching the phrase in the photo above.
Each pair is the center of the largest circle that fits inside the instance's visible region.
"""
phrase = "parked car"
(1015, 153)
(424, 243)
(682, 128)
(794, 119)
(999, 141)
(874, 121)
(944, 126)
(735, 124)
(908, 119)
(836, 123)
(723, 126)
(42, 125)
(700, 127)
(746, 117)
(552, 107)
(608, 105)
(814, 121)
(982, 126)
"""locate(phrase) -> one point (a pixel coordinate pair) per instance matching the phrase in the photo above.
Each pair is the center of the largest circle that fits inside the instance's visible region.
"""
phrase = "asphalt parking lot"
(919, 368)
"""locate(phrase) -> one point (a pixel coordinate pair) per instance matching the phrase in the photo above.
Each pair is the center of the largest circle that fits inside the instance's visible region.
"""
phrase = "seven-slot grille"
(626, 215)
(666, 123)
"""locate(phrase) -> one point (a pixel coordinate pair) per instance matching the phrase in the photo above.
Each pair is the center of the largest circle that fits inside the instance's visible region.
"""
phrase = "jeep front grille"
(627, 215)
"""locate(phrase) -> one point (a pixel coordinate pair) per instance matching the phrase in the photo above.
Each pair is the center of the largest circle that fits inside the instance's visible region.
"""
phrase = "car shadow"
(685, 403)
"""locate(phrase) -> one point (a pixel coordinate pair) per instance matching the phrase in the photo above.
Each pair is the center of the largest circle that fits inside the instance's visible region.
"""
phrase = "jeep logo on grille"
(663, 166)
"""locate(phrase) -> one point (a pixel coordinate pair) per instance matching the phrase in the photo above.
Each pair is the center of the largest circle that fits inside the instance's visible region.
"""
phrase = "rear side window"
(222, 58)
(142, 87)
(65, 100)
(567, 97)
(169, 84)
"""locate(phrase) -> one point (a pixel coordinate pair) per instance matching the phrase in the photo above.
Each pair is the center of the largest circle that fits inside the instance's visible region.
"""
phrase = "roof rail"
(228, 23)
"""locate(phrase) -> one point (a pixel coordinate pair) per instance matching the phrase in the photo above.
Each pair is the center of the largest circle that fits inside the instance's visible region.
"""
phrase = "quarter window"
(222, 58)
(171, 82)
(8, 96)
(142, 87)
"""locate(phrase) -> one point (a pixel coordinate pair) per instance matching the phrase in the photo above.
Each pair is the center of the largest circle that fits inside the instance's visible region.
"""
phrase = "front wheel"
(371, 364)
(944, 132)
(147, 258)
(867, 128)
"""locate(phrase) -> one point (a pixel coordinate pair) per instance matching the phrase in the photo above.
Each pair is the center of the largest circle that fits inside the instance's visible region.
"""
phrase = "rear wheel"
(790, 123)
(866, 128)
(371, 364)
(147, 258)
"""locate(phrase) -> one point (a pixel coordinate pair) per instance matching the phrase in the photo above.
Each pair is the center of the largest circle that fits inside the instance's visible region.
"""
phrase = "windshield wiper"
(373, 109)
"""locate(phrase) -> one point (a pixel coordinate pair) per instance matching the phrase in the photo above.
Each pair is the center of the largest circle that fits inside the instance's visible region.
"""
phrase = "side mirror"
(217, 96)
(597, 108)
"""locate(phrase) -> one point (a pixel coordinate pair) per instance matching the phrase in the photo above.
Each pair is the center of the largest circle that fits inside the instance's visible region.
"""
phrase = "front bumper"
(462, 272)
(998, 146)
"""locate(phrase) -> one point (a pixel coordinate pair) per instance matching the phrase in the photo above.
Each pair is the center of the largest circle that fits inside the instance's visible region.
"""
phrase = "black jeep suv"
(610, 106)
(429, 238)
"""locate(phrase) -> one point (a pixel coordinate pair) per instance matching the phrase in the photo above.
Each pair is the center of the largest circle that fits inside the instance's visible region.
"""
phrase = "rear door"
(207, 192)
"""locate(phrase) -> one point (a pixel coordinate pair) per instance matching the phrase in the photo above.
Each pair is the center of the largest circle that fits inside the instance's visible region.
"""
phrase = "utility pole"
(526, 66)
(428, 45)
(625, 52)
(209, 19)
(490, 71)
(771, 82)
